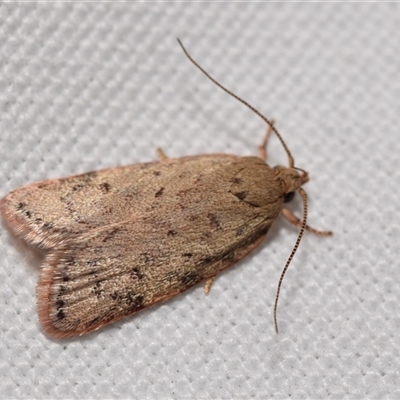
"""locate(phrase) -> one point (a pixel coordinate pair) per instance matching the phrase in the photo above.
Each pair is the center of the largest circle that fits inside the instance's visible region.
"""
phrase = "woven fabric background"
(90, 86)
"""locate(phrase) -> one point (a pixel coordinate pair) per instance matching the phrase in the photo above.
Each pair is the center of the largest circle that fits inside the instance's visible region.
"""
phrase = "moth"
(122, 239)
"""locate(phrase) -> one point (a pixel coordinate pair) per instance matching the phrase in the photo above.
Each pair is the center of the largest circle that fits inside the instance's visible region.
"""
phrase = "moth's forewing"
(123, 239)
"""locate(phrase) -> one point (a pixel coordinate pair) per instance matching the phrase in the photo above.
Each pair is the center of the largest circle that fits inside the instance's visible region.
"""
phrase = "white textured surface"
(86, 86)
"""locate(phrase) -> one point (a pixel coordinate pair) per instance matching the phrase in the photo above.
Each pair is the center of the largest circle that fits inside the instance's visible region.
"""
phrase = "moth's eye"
(289, 197)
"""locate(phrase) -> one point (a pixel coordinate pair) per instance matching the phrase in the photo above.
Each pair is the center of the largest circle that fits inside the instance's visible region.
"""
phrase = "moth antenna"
(291, 160)
(289, 260)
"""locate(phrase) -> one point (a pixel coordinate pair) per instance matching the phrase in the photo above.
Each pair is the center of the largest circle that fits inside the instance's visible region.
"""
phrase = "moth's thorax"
(290, 179)
(256, 183)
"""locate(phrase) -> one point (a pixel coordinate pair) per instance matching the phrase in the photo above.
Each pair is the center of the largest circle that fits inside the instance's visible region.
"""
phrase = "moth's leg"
(262, 148)
(161, 154)
(207, 287)
(297, 222)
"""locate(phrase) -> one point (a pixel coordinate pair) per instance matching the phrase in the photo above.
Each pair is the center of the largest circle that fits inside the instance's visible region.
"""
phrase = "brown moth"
(122, 239)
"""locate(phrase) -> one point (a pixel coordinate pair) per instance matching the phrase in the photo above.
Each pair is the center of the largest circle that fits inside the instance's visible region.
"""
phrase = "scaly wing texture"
(129, 266)
(123, 239)
(49, 212)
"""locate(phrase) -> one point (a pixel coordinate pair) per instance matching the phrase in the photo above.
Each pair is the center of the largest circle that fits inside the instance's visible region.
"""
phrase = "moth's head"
(291, 179)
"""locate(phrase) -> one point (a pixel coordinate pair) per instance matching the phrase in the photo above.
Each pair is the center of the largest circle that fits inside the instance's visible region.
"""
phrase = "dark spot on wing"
(172, 233)
(130, 195)
(241, 195)
(160, 192)
(190, 277)
(136, 273)
(60, 314)
(115, 295)
(236, 180)
(21, 206)
(214, 222)
(81, 221)
(229, 256)
(207, 260)
(59, 304)
(97, 290)
(135, 302)
(157, 173)
(94, 321)
(105, 187)
(139, 301)
(188, 255)
(62, 289)
(78, 187)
